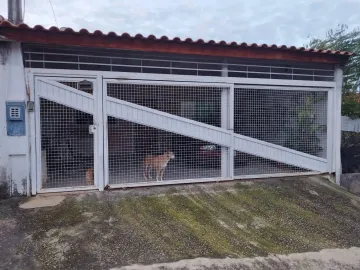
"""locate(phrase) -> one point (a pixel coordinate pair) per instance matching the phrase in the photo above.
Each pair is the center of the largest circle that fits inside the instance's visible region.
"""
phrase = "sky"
(289, 22)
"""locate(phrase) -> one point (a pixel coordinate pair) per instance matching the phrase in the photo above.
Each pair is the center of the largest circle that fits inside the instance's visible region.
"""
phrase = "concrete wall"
(14, 150)
(348, 124)
(351, 181)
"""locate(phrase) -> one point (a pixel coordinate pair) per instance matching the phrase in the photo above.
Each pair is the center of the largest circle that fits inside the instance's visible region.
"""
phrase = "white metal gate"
(127, 102)
(67, 133)
(198, 122)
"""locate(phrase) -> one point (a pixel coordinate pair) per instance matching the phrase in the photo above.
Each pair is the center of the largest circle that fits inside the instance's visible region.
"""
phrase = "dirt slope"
(167, 224)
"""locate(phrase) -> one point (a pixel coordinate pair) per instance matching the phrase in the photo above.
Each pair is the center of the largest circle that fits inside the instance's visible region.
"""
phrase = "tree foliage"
(304, 134)
(344, 40)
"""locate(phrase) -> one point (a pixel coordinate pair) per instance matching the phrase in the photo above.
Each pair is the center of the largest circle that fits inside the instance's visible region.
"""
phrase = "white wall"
(348, 124)
(14, 162)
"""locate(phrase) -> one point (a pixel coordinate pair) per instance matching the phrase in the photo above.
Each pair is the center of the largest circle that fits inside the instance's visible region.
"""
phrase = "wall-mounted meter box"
(15, 118)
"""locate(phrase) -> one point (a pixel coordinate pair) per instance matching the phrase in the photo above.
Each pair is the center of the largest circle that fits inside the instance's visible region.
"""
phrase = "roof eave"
(83, 38)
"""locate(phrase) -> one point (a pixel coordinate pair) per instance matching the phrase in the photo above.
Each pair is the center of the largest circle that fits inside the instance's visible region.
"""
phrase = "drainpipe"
(15, 11)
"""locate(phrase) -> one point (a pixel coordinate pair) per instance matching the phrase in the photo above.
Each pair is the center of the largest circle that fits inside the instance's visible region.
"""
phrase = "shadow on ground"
(165, 224)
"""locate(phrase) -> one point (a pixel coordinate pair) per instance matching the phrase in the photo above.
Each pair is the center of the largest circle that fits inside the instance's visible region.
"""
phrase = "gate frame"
(35, 133)
(227, 114)
(333, 141)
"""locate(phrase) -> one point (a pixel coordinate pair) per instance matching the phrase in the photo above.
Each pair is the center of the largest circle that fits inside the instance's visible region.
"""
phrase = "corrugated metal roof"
(6, 24)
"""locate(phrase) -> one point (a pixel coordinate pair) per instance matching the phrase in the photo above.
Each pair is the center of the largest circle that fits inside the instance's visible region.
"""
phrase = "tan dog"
(158, 163)
(89, 176)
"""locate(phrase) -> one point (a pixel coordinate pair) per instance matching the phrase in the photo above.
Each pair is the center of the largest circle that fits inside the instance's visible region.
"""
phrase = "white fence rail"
(348, 124)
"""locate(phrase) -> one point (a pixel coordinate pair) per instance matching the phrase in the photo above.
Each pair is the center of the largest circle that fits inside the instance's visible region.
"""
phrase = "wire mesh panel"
(84, 85)
(138, 153)
(67, 148)
(290, 118)
(199, 103)
(246, 164)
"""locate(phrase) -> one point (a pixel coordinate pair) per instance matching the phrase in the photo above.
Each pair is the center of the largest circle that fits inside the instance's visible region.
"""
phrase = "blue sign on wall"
(15, 118)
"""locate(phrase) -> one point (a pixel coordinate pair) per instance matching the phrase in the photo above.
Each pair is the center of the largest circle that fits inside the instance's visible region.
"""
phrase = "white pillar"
(337, 122)
(227, 111)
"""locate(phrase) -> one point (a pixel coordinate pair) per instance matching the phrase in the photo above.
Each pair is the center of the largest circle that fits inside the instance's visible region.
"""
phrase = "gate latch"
(92, 129)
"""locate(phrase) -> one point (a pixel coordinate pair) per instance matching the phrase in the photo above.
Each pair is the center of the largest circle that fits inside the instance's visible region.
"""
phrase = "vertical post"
(99, 136)
(105, 123)
(330, 129)
(15, 11)
(231, 128)
(337, 122)
(38, 138)
(226, 160)
(32, 135)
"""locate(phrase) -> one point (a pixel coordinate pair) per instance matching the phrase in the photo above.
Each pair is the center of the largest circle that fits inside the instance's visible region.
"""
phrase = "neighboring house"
(78, 101)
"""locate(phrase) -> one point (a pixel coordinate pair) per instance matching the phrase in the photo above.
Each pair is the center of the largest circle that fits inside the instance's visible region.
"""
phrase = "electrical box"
(15, 118)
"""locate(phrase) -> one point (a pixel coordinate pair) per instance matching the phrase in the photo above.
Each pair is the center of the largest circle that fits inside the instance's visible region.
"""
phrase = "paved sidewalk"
(331, 259)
